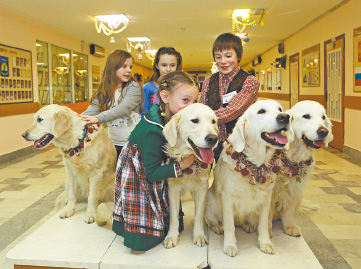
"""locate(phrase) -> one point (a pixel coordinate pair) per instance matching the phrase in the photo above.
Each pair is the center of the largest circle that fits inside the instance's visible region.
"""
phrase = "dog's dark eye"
(323, 117)
(306, 116)
(39, 120)
(213, 121)
(195, 120)
(280, 109)
(261, 111)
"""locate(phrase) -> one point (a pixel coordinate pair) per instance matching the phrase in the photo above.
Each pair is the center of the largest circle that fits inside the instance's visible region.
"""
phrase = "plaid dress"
(141, 212)
(140, 204)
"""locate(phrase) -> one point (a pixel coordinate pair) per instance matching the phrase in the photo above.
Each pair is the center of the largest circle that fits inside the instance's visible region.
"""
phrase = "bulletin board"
(310, 66)
(357, 59)
(16, 75)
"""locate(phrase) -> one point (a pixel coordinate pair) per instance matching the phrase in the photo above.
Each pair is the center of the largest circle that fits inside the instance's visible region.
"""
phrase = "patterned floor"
(30, 184)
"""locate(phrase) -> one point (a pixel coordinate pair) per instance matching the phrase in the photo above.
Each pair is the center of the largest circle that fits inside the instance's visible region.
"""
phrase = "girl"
(141, 198)
(117, 100)
(167, 60)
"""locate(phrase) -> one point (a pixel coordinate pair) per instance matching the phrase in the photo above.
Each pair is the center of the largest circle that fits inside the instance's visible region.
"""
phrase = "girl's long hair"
(160, 52)
(108, 84)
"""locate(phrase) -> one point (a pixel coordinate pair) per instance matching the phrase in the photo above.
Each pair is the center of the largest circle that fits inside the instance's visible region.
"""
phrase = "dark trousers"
(119, 149)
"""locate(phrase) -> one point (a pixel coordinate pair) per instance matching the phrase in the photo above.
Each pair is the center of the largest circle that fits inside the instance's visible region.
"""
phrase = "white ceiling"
(191, 26)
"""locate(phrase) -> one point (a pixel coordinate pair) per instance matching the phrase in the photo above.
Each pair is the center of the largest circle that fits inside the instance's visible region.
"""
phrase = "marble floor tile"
(341, 231)
(348, 248)
(346, 218)
(355, 263)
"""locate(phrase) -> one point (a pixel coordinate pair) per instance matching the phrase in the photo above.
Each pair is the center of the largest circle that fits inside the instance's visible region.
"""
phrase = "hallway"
(30, 184)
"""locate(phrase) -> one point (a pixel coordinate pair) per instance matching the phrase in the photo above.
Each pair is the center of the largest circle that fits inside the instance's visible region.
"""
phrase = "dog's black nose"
(211, 139)
(24, 134)
(322, 132)
(283, 118)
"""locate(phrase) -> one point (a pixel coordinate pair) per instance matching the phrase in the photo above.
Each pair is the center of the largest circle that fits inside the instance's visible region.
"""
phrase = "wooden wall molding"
(30, 108)
(18, 109)
(274, 96)
(317, 98)
(352, 102)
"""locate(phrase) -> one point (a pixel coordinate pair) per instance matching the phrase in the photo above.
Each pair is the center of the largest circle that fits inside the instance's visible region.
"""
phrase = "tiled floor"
(29, 186)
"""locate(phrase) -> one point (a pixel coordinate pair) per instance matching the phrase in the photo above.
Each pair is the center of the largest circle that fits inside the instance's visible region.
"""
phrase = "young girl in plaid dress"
(141, 197)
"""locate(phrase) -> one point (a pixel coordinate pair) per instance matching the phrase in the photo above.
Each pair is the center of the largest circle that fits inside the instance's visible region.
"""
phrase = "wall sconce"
(115, 24)
(142, 43)
(81, 73)
(151, 54)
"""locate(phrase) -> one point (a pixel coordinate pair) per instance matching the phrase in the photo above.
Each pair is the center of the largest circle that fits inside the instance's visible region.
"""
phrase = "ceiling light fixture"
(214, 68)
(151, 54)
(142, 43)
(111, 24)
(249, 17)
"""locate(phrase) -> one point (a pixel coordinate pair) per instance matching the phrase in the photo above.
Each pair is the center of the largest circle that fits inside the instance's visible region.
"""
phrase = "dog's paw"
(267, 248)
(217, 229)
(293, 231)
(200, 240)
(66, 212)
(89, 218)
(230, 250)
(170, 242)
(248, 227)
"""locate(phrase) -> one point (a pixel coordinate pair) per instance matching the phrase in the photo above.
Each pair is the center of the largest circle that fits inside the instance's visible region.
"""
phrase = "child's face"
(226, 60)
(183, 96)
(124, 73)
(167, 63)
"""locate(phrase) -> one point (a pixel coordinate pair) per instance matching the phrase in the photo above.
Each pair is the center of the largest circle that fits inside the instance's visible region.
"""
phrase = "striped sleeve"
(177, 170)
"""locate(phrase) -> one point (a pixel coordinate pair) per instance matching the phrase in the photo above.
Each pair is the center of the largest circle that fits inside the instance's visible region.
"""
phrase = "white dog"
(312, 130)
(245, 172)
(193, 130)
(88, 154)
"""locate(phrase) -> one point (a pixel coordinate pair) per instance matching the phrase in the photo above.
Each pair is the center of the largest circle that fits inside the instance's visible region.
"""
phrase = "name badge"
(227, 97)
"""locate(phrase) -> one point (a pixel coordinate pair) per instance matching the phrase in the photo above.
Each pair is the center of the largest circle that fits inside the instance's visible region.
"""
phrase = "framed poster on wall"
(310, 66)
(16, 75)
(357, 59)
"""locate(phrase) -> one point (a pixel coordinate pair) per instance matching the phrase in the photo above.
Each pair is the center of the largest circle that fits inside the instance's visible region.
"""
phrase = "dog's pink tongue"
(281, 139)
(37, 142)
(318, 143)
(207, 155)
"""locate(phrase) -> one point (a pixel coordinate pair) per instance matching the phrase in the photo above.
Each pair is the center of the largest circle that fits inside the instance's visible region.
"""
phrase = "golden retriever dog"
(245, 172)
(193, 130)
(88, 154)
(312, 130)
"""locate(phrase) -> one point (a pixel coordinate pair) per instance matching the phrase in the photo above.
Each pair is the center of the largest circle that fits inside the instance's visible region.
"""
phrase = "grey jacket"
(121, 118)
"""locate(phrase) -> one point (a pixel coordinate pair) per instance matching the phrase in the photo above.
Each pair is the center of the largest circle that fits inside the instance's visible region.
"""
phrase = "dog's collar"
(89, 133)
(256, 174)
(195, 168)
(295, 169)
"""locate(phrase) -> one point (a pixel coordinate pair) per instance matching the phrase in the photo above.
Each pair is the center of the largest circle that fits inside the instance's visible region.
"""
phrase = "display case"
(42, 63)
(61, 75)
(81, 88)
(95, 78)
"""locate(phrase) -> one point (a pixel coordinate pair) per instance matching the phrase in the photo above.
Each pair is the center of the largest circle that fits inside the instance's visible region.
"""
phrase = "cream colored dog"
(312, 130)
(193, 130)
(88, 154)
(245, 172)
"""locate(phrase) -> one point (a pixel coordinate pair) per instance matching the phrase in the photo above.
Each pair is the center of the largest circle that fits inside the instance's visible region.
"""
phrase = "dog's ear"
(238, 136)
(170, 130)
(62, 123)
(330, 135)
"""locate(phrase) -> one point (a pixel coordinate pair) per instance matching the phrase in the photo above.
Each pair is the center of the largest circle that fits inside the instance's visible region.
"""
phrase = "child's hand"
(89, 119)
(187, 161)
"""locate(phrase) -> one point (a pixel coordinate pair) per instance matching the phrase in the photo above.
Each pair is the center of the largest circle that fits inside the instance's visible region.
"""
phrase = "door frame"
(339, 128)
(291, 60)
